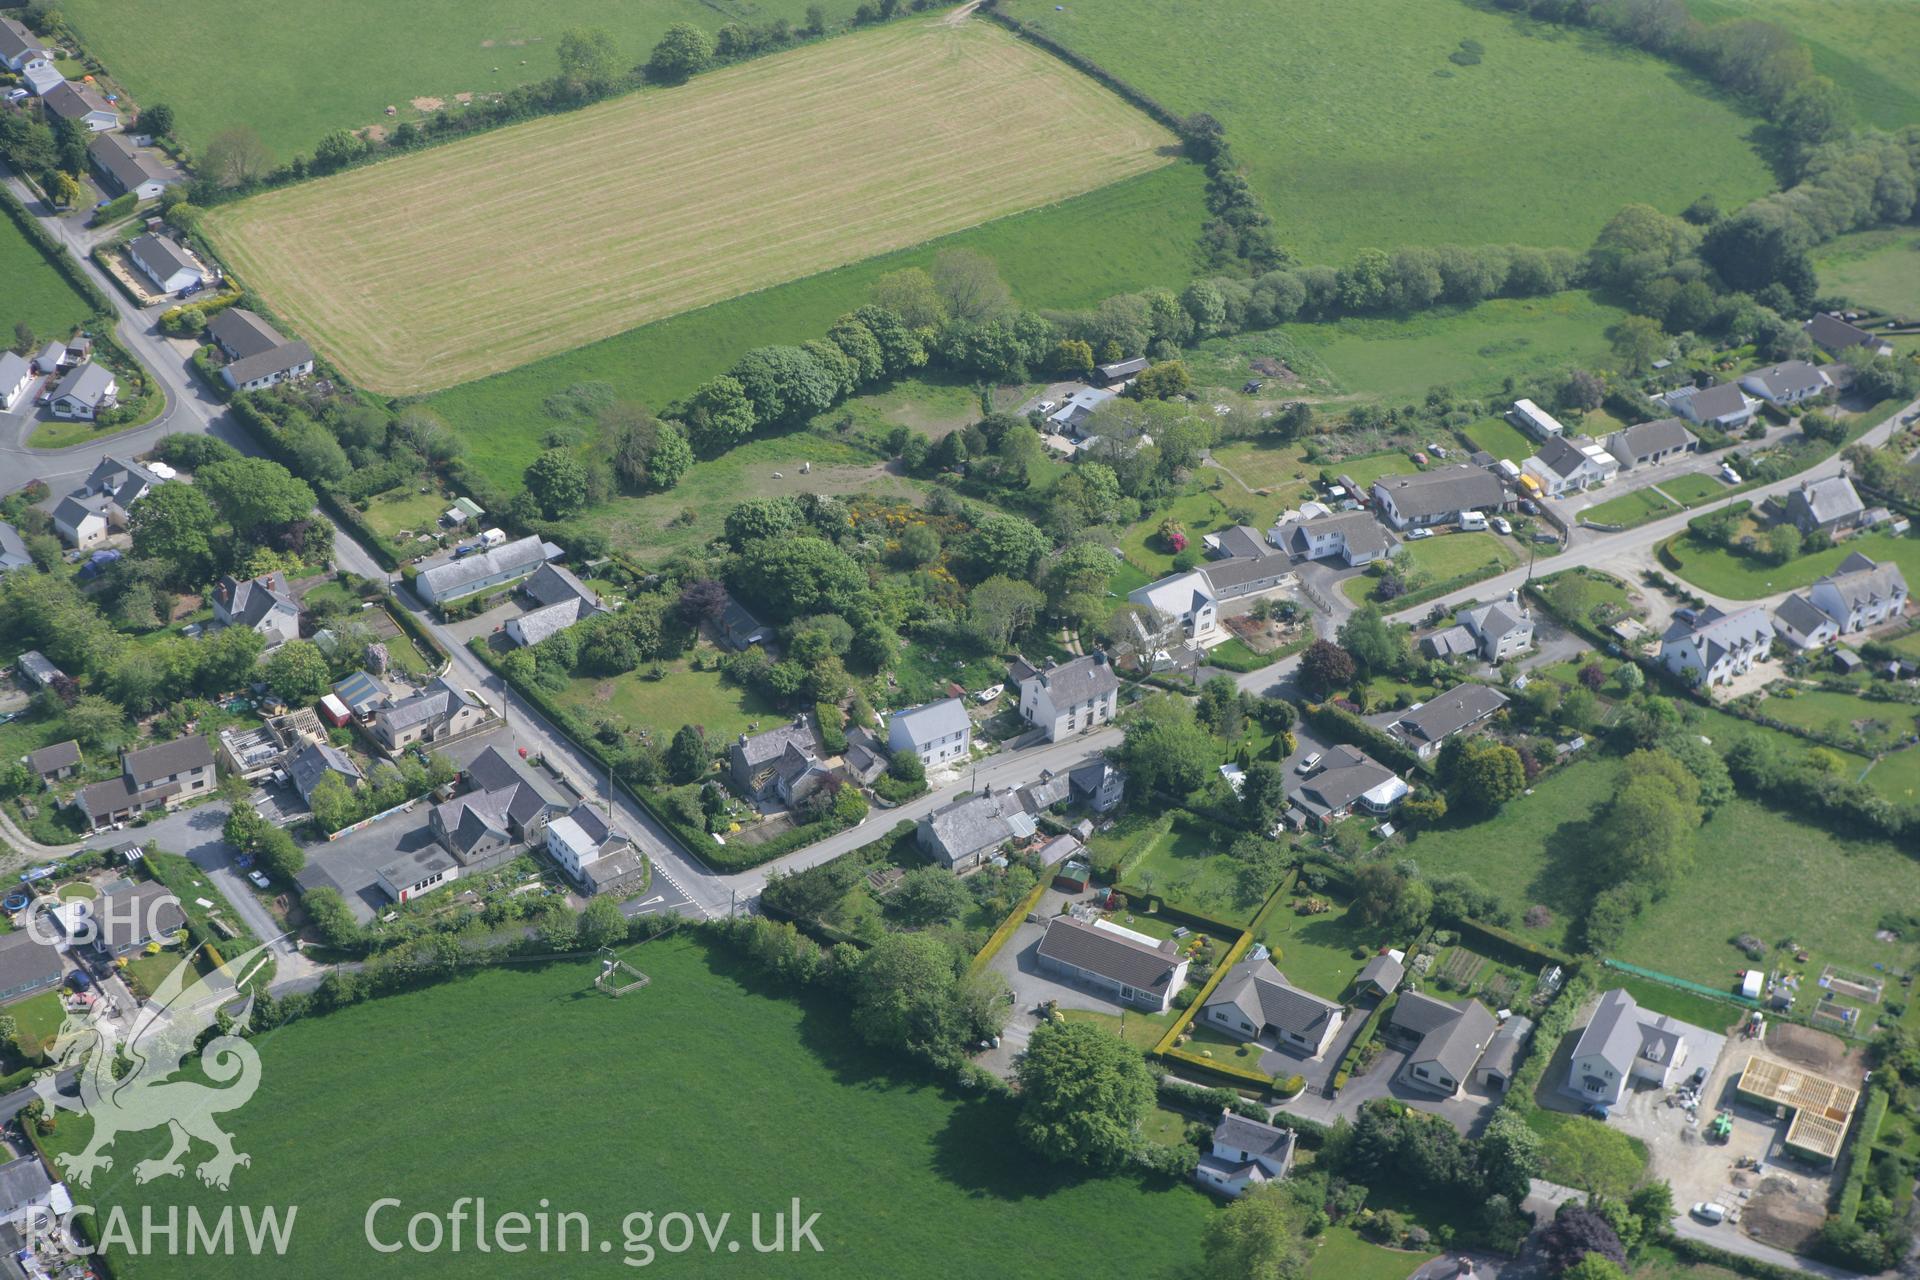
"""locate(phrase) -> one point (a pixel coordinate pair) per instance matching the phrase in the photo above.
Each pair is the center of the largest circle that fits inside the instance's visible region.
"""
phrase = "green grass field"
(1448, 555)
(907, 1179)
(1725, 572)
(1870, 48)
(1470, 349)
(1694, 488)
(1263, 464)
(1189, 867)
(35, 292)
(1500, 438)
(1760, 871)
(38, 1019)
(684, 697)
(1364, 470)
(1838, 714)
(289, 87)
(1199, 513)
(1131, 235)
(1316, 951)
(1897, 776)
(1628, 509)
(1340, 110)
(1878, 269)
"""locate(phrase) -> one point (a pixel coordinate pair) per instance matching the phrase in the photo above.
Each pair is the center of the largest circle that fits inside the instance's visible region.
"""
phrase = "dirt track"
(436, 268)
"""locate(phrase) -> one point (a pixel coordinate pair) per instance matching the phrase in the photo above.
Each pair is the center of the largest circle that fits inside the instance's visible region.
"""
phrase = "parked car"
(260, 881)
(16, 95)
(1597, 1110)
(1699, 1077)
(1728, 474)
(1529, 506)
(1414, 535)
(1709, 1211)
(1046, 406)
(1307, 765)
(1502, 525)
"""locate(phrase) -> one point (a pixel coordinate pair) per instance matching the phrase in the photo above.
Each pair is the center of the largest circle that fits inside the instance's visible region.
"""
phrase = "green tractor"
(1722, 1127)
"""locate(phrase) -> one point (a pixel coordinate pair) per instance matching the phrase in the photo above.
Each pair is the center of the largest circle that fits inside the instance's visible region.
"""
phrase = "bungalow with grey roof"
(27, 965)
(1570, 464)
(962, 834)
(938, 732)
(124, 170)
(494, 567)
(1789, 383)
(1256, 1002)
(1824, 506)
(85, 393)
(739, 629)
(1723, 405)
(1836, 334)
(82, 106)
(1437, 496)
(1127, 967)
(1243, 1154)
(55, 763)
(1345, 779)
(13, 549)
(1647, 443)
(1444, 1040)
(257, 355)
(1425, 727)
(169, 265)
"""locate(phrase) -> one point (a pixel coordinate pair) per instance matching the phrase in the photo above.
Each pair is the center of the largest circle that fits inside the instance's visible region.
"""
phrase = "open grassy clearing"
(1842, 715)
(457, 262)
(1339, 110)
(1364, 470)
(907, 1180)
(1737, 576)
(1878, 269)
(1694, 488)
(1870, 48)
(35, 292)
(1627, 509)
(1189, 867)
(1132, 235)
(1449, 555)
(1760, 871)
(1264, 464)
(1471, 349)
(1340, 1254)
(289, 85)
(1897, 776)
(1501, 439)
(1316, 951)
(684, 696)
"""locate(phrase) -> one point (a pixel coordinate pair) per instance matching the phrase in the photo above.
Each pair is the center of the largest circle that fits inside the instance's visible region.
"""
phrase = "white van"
(1710, 1212)
(1472, 522)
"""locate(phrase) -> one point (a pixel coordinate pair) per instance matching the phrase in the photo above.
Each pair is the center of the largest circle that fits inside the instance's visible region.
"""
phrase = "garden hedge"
(1015, 918)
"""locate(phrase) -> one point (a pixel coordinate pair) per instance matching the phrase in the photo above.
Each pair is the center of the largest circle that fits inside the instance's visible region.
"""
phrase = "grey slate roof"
(1560, 455)
(1503, 1051)
(1498, 619)
(1241, 541)
(1458, 1033)
(72, 101)
(438, 701)
(1443, 490)
(1717, 401)
(552, 584)
(279, 360)
(738, 626)
(1451, 642)
(16, 40)
(1835, 334)
(500, 797)
(1613, 1033)
(1718, 634)
(1253, 1137)
(1801, 614)
(1345, 774)
(1081, 680)
(1108, 954)
(154, 905)
(445, 580)
(24, 1182)
(123, 481)
(1421, 1015)
(128, 168)
(1648, 438)
(87, 383)
(248, 600)
(162, 254)
(759, 748)
(25, 962)
(412, 868)
(1861, 582)
(921, 725)
(13, 549)
(1824, 501)
(241, 333)
(150, 764)
(536, 625)
(61, 755)
(1383, 971)
(969, 825)
(1265, 997)
(1223, 575)
(1788, 377)
(1449, 712)
(314, 762)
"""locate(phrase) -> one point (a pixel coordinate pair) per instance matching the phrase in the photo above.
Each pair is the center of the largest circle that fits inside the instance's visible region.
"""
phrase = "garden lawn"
(1759, 871)
(1262, 464)
(1714, 1015)
(1190, 867)
(1442, 558)
(1539, 141)
(39, 1019)
(1835, 714)
(1737, 576)
(1529, 852)
(407, 510)
(1197, 513)
(684, 697)
(1877, 269)
(288, 87)
(1340, 1254)
(1695, 488)
(1628, 509)
(35, 293)
(1141, 1030)
(1367, 468)
(1500, 438)
(907, 1179)
(1897, 776)
(1132, 235)
(1316, 951)
(1470, 349)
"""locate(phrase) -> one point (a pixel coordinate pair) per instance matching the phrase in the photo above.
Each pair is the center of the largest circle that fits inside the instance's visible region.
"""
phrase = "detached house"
(1187, 600)
(167, 264)
(1651, 442)
(561, 600)
(1127, 967)
(1723, 405)
(16, 375)
(1070, 697)
(1245, 1153)
(1802, 624)
(1717, 646)
(1835, 334)
(82, 106)
(265, 604)
(1500, 630)
(85, 393)
(1437, 496)
(1788, 384)
(152, 778)
(1569, 465)
(1444, 1041)
(499, 809)
(779, 766)
(123, 170)
(1425, 727)
(455, 579)
(314, 762)
(1354, 538)
(13, 549)
(938, 732)
(1347, 778)
(257, 356)
(56, 763)
(1622, 1043)
(1860, 594)
(738, 629)
(1825, 506)
(19, 46)
(439, 713)
(965, 833)
(598, 857)
(1256, 1002)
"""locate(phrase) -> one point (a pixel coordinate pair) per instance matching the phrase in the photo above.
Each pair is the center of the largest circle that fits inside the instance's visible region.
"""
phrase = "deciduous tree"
(1083, 1094)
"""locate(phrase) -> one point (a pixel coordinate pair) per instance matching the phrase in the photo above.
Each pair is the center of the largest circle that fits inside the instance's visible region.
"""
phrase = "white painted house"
(1861, 594)
(1621, 1044)
(1717, 646)
(1187, 599)
(85, 393)
(1256, 1002)
(939, 732)
(1501, 630)
(19, 46)
(170, 267)
(1244, 1153)
(16, 376)
(1571, 464)
(81, 105)
(1723, 405)
(1788, 384)
(1070, 697)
